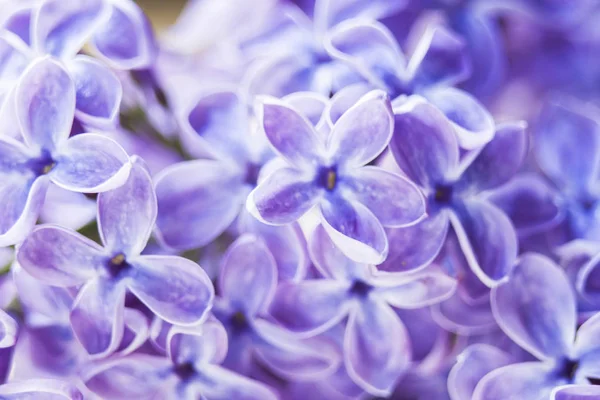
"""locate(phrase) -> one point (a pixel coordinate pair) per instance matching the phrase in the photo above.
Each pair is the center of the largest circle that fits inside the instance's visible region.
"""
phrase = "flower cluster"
(307, 199)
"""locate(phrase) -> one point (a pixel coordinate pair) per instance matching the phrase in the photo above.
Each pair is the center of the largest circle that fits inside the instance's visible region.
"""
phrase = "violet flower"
(426, 149)
(536, 307)
(45, 102)
(191, 370)
(43, 389)
(353, 290)
(246, 286)
(174, 288)
(8, 330)
(354, 200)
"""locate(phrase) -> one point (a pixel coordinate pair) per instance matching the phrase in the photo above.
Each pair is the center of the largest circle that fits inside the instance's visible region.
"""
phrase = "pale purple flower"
(45, 102)
(42, 389)
(351, 290)
(355, 201)
(174, 288)
(8, 330)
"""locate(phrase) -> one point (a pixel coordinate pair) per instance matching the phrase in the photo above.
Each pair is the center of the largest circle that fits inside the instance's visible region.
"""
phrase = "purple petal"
(344, 99)
(487, 239)
(531, 381)
(587, 346)
(248, 276)
(62, 28)
(126, 21)
(59, 257)
(530, 203)
(424, 143)
(197, 201)
(566, 146)
(574, 392)
(394, 200)
(283, 197)
(290, 133)
(126, 215)
(376, 365)
(355, 230)
(174, 288)
(310, 307)
(8, 330)
(15, 56)
(329, 260)
(457, 315)
(90, 162)
(221, 384)
(370, 49)
(415, 246)
(422, 290)
(362, 132)
(499, 160)
(329, 13)
(98, 92)
(472, 365)
(45, 99)
(536, 307)
(441, 58)
(22, 200)
(42, 389)
(588, 280)
(311, 105)
(473, 124)
(202, 344)
(97, 316)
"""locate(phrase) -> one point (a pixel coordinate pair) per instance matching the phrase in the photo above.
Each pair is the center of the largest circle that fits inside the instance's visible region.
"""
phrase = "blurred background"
(162, 12)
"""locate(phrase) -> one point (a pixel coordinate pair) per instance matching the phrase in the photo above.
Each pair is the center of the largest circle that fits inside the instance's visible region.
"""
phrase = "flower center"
(569, 369)
(43, 164)
(327, 177)
(239, 322)
(117, 265)
(185, 371)
(252, 171)
(442, 194)
(360, 288)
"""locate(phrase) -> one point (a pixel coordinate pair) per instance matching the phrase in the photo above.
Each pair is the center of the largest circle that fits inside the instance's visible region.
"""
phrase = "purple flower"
(536, 307)
(438, 63)
(247, 285)
(43, 389)
(354, 200)
(426, 149)
(174, 288)
(45, 102)
(576, 392)
(8, 330)
(192, 370)
(354, 291)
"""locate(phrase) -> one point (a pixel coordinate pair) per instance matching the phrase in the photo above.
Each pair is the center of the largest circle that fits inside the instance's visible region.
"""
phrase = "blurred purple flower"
(43, 389)
(174, 288)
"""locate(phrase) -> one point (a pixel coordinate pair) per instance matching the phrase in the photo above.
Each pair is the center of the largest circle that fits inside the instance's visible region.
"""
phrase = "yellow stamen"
(331, 178)
(48, 168)
(118, 259)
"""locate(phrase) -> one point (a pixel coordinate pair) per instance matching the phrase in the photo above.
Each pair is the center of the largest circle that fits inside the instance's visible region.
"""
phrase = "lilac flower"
(8, 330)
(536, 308)
(438, 63)
(426, 149)
(353, 290)
(354, 200)
(45, 101)
(192, 370)
(43, 389)
(247, 284)
(576, 392)
(174, 288)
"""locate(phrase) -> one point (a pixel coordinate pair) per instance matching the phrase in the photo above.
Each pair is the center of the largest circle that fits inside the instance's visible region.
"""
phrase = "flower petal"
(575, 392)
(42, 389)
(498, 161)
(98, 92)
(311, 105)
(200, 344)
(328, 13)
(283, 197)
(472, 365)
(530, 380)
(424, 143)
(290, 133)
(329, 260)
(126, 215)
(174, 288)
(424, 289)
(459, 316)
(376, 365)
(536, 307)
(126, 20)
(363, 131)
(394, 200)
(15, 56)
(197, 201)
(311, 306)
(45, 99)
(369, 48)
(415, 246)
(441, 58)
(62, 28)
(8, 330)
(354, 230)
(59, 257)
(90, 162)
(221, 384)
(248, 276)
(473, 124)
(97, 317)
(487, 238)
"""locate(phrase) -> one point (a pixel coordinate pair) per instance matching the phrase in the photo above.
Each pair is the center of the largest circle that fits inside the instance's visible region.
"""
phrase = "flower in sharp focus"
(174, 288)
(45, 103)
(355, 200)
